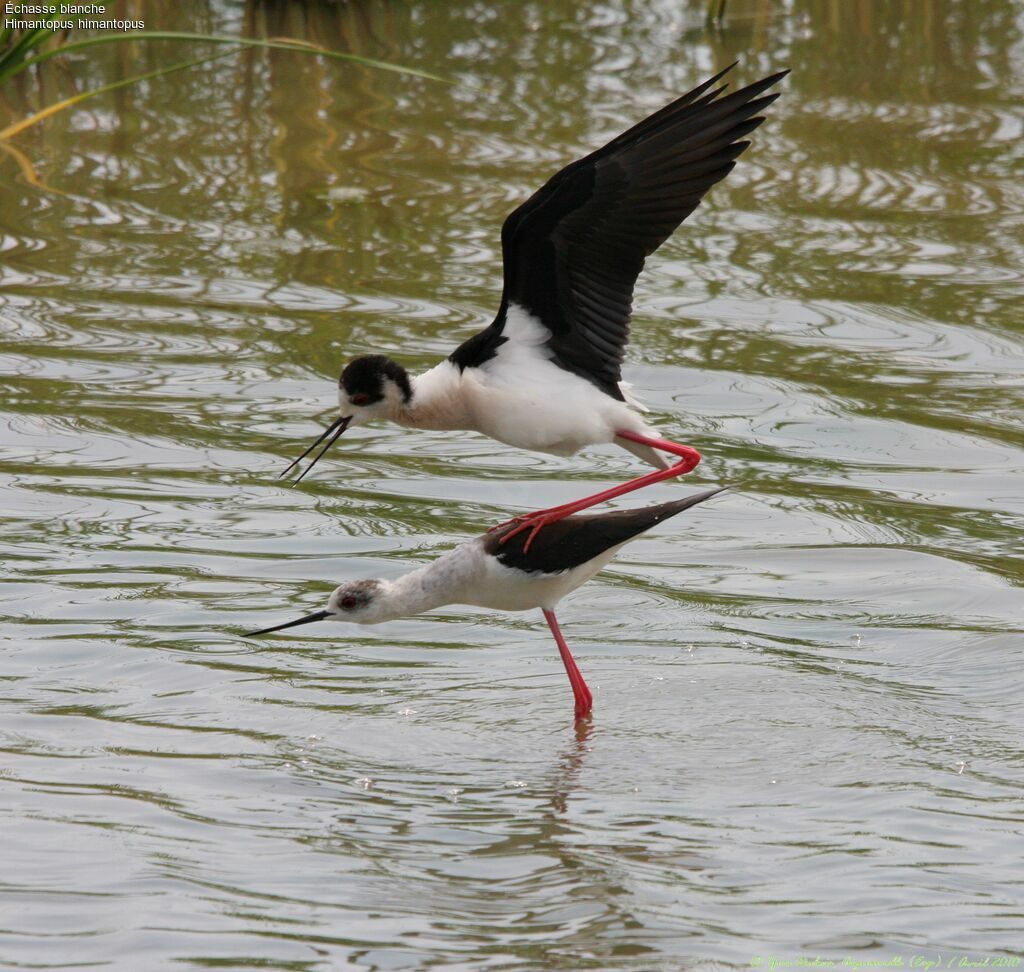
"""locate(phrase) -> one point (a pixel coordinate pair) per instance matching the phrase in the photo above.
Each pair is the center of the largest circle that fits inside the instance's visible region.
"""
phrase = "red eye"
(359, 399)
(348, 602)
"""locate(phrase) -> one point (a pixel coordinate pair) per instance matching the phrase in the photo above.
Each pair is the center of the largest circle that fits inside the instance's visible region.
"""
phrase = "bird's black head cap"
(366, 376)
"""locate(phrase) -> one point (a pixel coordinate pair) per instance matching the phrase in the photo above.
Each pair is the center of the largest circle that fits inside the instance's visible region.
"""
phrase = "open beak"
(333, 430)
(316, 616)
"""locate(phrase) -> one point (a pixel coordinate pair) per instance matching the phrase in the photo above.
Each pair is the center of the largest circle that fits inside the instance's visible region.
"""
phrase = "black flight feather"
(577, 539)
(573, 250)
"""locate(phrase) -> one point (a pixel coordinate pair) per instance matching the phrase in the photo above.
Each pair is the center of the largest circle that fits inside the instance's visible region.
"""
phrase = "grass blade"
(11, 58)
(11, 130)
(276, 43)
(28, 172)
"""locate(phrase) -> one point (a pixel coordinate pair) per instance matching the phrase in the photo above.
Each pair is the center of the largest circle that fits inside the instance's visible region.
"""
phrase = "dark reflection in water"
(806, 738)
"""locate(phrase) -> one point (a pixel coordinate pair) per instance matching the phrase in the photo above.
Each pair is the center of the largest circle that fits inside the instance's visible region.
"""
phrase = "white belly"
(504, 589)
(520, 397)
(545, 408)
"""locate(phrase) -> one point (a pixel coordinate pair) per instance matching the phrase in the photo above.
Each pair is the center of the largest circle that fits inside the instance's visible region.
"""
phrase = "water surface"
(807, 729)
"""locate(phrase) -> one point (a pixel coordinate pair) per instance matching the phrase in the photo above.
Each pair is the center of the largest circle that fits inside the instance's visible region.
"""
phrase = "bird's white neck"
(437, 401)
(438, 583)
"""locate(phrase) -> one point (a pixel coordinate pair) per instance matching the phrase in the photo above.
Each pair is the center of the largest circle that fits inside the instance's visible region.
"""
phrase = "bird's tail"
(664, 510)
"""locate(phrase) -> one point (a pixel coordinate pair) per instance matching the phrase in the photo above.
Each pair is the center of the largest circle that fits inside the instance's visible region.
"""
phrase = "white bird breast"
(508, 589)
(521, 397)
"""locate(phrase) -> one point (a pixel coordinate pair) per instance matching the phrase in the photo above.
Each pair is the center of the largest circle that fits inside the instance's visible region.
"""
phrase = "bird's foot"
(526, 518)
(534, 522)
(505, 523)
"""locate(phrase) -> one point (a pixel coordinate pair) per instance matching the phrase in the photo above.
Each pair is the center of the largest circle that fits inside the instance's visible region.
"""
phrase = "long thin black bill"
(330, 428)
(316, 616)
(334, 438)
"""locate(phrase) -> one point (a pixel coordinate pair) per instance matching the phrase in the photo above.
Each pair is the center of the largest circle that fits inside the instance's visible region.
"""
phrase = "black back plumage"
(573, 250)
(577, 539)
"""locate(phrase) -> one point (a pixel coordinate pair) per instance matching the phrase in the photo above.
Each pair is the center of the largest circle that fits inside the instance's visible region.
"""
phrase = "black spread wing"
(573, 250)
(577, 539)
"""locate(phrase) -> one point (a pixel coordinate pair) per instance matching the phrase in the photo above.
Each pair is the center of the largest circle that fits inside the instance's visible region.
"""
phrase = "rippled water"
(807, 733)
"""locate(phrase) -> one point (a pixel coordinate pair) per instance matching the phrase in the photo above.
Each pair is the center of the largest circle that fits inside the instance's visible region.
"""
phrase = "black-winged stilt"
(487, 572)
(545, 375)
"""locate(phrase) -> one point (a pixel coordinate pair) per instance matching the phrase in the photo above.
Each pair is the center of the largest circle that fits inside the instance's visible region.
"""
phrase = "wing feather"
(573, 250)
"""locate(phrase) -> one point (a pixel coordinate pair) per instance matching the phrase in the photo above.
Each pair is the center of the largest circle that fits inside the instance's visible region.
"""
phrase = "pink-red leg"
(689, 458)
(584, 700)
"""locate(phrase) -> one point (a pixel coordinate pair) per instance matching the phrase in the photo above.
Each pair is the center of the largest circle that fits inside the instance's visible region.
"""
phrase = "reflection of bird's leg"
(584, 700)
(570, 765)
(535, 522)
